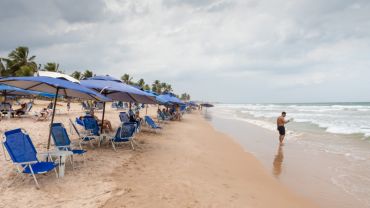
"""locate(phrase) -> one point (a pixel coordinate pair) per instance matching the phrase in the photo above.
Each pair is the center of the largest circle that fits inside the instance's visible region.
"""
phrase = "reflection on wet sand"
(207, 116)
(278, 161)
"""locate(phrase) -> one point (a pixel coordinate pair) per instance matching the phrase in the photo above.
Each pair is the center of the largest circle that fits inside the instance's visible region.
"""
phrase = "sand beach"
(187, 164)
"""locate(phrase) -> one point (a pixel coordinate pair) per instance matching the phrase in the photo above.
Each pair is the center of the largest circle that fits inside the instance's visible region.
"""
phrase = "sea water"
(336, 134)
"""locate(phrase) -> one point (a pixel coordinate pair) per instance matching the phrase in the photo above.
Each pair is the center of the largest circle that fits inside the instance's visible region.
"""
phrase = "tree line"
(20, 63)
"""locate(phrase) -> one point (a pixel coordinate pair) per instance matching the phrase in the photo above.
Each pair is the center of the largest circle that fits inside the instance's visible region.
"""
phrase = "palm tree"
(53, 67)
(141, 83)
(77, 75)
(126, 78)
(17, 59)
(87, 74)
(168, 88)
(185, 96)
(163, 86)
(2, 68)
(146, 87)
(156, 86)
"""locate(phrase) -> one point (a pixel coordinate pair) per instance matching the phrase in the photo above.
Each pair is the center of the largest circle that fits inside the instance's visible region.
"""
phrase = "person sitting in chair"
(21, 110)
(106, 124)
(43, 115)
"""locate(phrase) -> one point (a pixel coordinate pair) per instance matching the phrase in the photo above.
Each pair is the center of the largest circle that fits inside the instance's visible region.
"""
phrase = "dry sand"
(187, 164)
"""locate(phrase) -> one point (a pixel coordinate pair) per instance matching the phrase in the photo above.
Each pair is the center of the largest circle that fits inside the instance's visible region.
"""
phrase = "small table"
(62, 158)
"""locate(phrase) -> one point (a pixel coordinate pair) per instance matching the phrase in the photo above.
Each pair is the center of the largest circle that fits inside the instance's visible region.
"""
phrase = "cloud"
(204, 47)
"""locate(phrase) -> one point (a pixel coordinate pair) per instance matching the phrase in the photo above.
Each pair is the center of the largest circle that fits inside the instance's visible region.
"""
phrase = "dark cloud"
(81, 10)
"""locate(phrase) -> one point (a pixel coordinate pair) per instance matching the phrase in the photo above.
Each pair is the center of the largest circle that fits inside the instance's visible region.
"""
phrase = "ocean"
(335, 135)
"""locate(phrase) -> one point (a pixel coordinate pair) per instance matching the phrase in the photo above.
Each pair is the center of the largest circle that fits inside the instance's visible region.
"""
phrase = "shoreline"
(188, 164)
(303, 161)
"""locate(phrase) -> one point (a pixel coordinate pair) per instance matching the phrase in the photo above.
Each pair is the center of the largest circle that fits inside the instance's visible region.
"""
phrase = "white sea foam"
(334, 118)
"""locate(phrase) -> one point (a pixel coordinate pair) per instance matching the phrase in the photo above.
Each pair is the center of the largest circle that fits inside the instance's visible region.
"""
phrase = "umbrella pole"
(146, 109)
(52, 117)
(102, 119)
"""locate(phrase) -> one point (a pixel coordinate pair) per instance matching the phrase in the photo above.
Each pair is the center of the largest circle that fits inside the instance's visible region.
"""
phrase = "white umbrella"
(57, 75)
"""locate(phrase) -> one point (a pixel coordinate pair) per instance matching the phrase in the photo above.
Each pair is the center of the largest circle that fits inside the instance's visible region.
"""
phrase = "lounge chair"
(6, 109)
(62, 141)
(151, 123)
(162, 116)
(85, 135)
(125, 133)
(124, 118)
(24, 155)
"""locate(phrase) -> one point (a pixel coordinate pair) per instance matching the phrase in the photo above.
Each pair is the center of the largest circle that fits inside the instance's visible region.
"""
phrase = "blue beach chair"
(84, 136)
(151, 123)
(125, 133)
(124, 118)
(92, 128)
(62, 141)
(24, 155)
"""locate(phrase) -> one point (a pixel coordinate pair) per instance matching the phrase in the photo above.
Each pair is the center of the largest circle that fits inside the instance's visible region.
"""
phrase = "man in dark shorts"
(280, 126)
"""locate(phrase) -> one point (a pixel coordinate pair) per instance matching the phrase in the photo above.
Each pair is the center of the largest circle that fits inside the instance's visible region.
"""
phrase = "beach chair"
(28, 110)
(183, 109)
(86, 106)
(124, 134)
(151, 123)
(29, 107)
(114, 105)
(6, 109)
(124, 118)
(24, 155)
(62, 141)
(99, 106)
(84, 136)
(92, 128)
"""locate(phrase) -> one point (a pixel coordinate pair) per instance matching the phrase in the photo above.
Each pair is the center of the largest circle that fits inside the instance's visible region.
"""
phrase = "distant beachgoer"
(281, 126)
(68, 105)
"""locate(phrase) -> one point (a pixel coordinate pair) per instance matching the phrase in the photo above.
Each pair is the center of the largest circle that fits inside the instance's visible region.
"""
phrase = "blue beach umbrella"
(170, 98)
(159, 99)
(10, 90)
(59, 87)
(116, 90)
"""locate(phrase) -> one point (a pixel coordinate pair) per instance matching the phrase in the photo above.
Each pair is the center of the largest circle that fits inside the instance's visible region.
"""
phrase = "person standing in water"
(280, 126)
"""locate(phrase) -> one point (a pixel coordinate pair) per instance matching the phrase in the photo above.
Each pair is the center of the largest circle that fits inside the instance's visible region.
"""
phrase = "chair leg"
(132, 145)
(72, 162)
(84, 159)
(34, 177)
(114, 146)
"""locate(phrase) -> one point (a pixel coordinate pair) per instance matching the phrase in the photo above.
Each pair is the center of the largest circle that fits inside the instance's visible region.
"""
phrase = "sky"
(236, 51)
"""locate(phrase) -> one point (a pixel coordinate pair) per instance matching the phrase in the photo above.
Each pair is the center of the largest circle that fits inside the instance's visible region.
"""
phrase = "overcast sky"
(228, 51)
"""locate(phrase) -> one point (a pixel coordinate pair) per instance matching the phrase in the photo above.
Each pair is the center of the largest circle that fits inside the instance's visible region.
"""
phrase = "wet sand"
(296, 164)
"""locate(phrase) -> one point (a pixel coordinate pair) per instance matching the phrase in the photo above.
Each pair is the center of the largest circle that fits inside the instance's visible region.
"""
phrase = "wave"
(333, 118)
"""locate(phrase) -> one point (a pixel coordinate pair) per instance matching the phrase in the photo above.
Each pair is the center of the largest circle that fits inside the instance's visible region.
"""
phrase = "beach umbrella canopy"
(117, 90)
(105, 77)
(170, 98)
(159, 99)
(54, 86)
(6, 90)
(15, 91)
(207, 105)
(56, 75)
